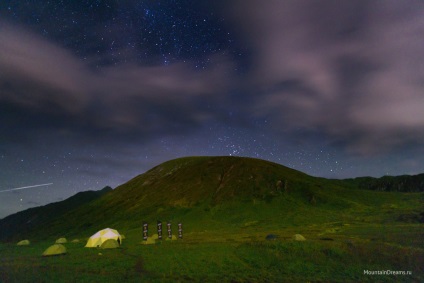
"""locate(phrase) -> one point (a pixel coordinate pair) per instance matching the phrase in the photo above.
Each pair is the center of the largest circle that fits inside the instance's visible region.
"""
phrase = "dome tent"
(110, 244)
(56, 249)
(23, 243)
(298, 237)
(271, 237)
(173, 238)
(61, 241)
(149, 241)
(101, 236)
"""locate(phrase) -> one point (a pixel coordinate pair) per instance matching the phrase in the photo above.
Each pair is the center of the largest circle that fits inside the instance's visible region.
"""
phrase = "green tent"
(23, 243)
(110, 244)
(56, 249)
(61, 241)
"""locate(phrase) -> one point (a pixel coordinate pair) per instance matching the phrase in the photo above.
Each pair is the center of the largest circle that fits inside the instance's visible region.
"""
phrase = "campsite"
(244, 220)
(211, 141)
(219, 257)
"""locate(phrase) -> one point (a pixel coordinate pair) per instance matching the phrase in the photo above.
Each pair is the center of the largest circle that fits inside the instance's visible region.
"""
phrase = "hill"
(404, 183)
(226, 195)
(30, 219)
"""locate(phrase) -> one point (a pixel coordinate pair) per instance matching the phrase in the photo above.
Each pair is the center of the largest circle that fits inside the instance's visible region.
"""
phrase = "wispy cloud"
(48, 87)
(352, 70)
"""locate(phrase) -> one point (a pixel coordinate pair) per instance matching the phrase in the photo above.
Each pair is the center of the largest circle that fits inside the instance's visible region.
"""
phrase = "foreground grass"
(332, 253)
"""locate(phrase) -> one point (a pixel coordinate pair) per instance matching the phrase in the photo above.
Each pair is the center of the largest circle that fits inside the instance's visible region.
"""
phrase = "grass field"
(333, 252)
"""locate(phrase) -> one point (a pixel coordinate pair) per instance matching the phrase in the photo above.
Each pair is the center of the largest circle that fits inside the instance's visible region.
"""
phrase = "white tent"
(97, 239)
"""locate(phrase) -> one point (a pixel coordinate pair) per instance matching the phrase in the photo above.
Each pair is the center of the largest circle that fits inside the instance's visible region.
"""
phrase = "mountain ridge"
(221, 190)
(26, 220)
(402, 183)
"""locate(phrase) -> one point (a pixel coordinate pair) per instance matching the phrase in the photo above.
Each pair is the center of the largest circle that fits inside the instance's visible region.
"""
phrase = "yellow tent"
(97, 239)
(298, 237)
(56, 249)
(150, 241)
(23, 243)
(61, 241)
(174, 238)
(110, 244)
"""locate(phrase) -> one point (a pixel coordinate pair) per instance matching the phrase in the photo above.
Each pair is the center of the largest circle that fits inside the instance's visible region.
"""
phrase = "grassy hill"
(228, 205)
(216, 193)
(24, 222)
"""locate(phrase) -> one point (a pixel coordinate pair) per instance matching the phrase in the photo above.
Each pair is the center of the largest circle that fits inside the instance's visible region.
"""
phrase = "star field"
(149, 32)
(93, 93)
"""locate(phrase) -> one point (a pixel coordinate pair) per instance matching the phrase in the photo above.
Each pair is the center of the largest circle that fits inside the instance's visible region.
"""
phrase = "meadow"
(333, 252)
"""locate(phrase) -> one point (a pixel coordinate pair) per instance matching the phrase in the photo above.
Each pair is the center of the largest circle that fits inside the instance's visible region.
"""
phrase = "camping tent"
(298, 237)
(271, 237)
(61, 241)
(173, 238)
(110, 244)
(97, 239)
(149, 241)
(23, 243)
(56, 249)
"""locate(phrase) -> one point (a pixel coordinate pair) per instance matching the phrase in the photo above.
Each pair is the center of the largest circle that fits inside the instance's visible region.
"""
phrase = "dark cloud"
(352, 70)
(349, 70)
(43, 86)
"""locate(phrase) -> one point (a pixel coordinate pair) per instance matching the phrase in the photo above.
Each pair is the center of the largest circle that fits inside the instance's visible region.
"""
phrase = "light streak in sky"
(22, 188)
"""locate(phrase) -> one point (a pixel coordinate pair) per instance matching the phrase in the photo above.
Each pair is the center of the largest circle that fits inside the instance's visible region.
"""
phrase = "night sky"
(93, 93)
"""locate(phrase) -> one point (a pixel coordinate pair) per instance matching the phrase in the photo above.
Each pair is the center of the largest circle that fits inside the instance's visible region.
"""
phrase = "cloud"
(45, 87)
(353, 70)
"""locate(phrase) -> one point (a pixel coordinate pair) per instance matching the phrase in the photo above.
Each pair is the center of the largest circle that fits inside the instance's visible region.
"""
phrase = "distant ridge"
(29, 219)
(404, 183)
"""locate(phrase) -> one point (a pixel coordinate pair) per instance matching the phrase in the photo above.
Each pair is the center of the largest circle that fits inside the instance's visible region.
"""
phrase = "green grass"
(222, 256)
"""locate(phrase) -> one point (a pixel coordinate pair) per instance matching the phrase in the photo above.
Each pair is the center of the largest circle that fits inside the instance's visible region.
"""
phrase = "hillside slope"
(229, 193)
(25, 221)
